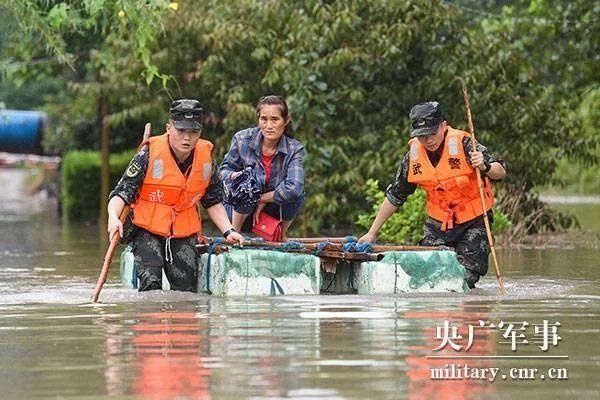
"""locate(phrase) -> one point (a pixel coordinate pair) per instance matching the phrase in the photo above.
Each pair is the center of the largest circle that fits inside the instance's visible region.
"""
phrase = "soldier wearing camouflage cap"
(163, 184)
(441, 160)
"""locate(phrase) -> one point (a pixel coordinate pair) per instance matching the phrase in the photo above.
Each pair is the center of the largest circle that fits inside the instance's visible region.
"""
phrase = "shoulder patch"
(133, 169)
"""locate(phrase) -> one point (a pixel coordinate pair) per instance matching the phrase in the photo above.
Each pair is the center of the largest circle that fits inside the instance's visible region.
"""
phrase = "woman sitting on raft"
(275, 159)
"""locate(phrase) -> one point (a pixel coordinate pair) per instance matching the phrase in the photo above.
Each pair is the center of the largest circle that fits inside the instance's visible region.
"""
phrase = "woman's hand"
(367, 238)
(236, 237)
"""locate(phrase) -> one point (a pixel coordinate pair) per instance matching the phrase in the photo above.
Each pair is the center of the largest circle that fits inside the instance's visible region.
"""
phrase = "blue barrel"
(22, 131)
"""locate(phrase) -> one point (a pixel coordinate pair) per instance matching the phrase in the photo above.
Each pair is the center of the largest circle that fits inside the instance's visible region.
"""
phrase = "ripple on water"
(347, 314)
(58, 289)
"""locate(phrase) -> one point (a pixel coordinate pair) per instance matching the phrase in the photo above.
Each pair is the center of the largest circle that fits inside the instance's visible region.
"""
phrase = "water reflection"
(423, 371)
(257, 349)
(166, 356)
(164, 345)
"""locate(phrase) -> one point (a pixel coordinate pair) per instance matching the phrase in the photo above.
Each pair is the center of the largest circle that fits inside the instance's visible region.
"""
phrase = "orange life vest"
(451, 186)
(167, 202)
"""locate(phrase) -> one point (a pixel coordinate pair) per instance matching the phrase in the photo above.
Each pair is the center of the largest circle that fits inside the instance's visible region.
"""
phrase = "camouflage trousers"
(179, 259)
(469, 240)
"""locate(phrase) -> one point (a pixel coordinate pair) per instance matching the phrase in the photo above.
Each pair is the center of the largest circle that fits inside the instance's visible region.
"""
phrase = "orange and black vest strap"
(166, 205)
(451, 186)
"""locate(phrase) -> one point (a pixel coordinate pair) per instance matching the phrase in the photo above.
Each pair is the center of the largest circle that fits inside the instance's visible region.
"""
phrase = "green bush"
(406, 225)
(501, 222)
(80, 182)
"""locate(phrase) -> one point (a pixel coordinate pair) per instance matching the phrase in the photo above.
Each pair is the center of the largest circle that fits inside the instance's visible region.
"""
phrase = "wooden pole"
(323, 253)
(318, 239)
(347, 255)
(488, 231)
(108, 258)
(114, 240)
(378, 248)
(339, 247)
(332, 246)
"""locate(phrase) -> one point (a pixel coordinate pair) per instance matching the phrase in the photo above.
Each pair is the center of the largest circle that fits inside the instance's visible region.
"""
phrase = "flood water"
(541, 339)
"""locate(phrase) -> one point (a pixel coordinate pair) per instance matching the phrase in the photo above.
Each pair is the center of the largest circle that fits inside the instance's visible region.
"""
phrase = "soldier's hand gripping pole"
(488, 231)
(115, 238)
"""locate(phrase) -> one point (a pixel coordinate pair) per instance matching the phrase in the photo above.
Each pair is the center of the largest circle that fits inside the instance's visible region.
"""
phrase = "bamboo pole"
(319, 239)
(337, 243)
(488, 231)
(347, 255)
(307, 249)
(219, 249)
(108, 258)
(115, 239)
(379, 248)
(332, 246)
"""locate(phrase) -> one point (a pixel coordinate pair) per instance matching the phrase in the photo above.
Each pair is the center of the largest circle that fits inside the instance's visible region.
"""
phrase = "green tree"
(351, 70)
(99, 47)
(404, 226)
(531, 69)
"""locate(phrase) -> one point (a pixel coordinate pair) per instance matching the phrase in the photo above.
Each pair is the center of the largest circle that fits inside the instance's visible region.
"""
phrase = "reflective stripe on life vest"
(167, 202)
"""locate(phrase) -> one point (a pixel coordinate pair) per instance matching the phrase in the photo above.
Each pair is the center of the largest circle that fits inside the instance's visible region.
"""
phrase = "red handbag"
(268, 228)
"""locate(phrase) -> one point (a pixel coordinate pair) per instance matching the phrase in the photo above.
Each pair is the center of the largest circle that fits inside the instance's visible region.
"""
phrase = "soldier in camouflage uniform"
(153, 252)
(442, 148)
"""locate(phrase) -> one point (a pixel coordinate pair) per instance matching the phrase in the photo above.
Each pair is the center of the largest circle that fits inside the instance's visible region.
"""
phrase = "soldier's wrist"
(487, 166)
(228, 232)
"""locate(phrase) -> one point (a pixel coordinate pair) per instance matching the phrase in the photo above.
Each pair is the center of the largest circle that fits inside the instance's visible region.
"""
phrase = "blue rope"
(291, 245)
(358, 247)
(349, 239)
(321, 246)
(364, 247)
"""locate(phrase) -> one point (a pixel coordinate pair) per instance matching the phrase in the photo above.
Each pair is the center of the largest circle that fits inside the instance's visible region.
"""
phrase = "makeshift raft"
(317, 269)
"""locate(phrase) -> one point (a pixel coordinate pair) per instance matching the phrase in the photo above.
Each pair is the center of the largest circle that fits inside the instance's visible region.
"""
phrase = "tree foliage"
(351, 70)
(404, 226)
(95, 49)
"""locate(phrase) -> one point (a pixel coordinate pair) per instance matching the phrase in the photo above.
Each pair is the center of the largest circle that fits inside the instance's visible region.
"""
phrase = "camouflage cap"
(425, 118)
(186, 114)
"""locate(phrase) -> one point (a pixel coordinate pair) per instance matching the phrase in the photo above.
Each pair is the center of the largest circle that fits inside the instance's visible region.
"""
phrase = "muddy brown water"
(168, 345)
